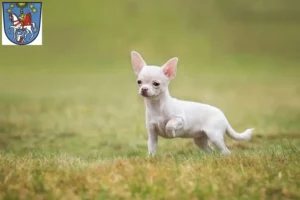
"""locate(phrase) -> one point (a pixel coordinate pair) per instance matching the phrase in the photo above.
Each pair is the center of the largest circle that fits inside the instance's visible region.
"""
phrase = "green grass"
(269, 172)
(79, 133)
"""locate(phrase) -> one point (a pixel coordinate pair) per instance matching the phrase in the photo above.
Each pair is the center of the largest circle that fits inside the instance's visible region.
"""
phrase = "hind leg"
(217, 138)
(203, 144)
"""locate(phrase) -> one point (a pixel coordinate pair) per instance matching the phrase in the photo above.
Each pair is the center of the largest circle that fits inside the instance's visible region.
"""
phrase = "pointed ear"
(137, 62)
(170, 68)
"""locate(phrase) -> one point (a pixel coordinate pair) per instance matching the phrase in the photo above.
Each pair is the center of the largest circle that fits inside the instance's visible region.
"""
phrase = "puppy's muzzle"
(144, 92)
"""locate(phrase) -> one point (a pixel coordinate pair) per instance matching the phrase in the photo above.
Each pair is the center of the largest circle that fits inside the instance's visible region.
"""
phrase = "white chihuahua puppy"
(169, 117)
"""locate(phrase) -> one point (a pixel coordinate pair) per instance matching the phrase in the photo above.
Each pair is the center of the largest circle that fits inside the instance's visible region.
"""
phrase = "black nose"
(144, 89)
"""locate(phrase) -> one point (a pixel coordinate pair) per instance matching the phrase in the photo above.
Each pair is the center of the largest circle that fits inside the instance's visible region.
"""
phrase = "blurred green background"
(77, 93)
(85, 33)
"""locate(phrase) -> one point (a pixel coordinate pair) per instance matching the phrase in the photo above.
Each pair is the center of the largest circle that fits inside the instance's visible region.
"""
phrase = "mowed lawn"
(79, 133)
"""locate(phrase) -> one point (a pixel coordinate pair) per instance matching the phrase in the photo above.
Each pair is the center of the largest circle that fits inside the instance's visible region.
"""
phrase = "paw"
(170, 131)
(173, 133)
(151, 154)
(225, 153)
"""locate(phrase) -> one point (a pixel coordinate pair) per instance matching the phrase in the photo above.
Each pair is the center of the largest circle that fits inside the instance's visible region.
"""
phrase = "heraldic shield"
(21, 21)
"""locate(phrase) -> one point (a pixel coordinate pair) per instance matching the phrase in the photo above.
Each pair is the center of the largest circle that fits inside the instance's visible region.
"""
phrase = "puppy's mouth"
(144, 94)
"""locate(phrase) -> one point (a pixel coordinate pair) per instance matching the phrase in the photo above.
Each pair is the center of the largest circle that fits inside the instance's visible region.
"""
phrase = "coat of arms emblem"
(22, 23)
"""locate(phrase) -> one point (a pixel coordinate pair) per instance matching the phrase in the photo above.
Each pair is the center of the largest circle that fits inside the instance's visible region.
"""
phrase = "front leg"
(152, 140)
(174, 127)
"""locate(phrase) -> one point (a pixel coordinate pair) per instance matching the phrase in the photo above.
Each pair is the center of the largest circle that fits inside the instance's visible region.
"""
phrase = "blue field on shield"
(22, 21)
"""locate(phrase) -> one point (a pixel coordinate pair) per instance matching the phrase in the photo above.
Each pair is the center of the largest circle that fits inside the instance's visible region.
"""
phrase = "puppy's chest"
(159, 118)
(159, 123)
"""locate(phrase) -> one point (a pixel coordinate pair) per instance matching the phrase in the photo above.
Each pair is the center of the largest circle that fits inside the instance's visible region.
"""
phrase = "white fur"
(169, 117)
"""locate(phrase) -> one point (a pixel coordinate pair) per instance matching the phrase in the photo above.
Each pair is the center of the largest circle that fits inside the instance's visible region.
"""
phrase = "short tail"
(246, 135)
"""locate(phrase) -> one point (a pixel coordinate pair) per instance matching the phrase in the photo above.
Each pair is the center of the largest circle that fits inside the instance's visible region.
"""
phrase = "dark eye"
(156, 83)
(139, 82)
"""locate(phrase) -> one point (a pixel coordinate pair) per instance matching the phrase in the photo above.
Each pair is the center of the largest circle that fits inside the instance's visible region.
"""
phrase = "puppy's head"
(152, 80)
